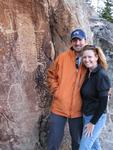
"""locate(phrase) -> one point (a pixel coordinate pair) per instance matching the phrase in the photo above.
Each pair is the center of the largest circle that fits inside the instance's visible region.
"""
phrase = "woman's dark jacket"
(94, 93)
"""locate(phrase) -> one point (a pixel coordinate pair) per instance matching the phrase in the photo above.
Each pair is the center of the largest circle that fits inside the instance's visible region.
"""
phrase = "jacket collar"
(97, 69)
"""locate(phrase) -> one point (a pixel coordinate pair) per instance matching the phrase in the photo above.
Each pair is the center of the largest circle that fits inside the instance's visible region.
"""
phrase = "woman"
(94, 93)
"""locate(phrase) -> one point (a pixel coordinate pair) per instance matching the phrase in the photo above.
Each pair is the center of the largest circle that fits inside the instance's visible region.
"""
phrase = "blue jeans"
(56, 131)
(92, 142)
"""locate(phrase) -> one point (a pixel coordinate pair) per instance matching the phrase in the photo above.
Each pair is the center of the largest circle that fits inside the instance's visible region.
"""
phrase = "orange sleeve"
(52, 76)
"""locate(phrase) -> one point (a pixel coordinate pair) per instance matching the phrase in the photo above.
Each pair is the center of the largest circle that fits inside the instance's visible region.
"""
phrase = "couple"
(80, 85)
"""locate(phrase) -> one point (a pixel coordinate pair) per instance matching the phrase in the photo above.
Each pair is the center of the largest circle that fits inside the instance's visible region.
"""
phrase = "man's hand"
(88, 129)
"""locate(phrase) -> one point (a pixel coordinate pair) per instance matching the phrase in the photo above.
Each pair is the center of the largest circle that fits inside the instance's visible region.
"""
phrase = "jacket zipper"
(73, 92)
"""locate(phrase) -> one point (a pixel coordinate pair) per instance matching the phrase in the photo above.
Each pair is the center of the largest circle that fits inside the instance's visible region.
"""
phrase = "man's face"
(78, 44)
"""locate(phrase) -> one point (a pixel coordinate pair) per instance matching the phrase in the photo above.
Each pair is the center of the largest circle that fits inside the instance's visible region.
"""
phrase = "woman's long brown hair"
(99, 52)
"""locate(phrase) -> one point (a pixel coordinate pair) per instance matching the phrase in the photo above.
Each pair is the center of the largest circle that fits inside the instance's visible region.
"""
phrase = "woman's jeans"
(56, 131)
(92, 142)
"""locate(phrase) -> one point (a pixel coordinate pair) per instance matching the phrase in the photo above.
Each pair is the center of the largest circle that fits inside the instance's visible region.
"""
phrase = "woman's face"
(89, 59)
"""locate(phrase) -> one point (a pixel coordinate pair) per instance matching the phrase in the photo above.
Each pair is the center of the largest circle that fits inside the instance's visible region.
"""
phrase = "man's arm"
(52, 76)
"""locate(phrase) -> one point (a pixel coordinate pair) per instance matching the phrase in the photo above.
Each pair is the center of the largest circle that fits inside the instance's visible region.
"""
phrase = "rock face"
(32, 33)
(24, 37)
(103, 37)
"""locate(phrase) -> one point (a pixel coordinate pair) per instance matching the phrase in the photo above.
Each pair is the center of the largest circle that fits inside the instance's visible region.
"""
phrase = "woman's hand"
(88, 129)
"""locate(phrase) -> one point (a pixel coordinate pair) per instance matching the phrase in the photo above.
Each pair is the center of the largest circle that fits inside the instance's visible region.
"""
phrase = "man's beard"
(77, 48)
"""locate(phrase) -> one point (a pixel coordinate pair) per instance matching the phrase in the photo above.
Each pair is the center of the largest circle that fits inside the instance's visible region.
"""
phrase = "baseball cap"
(78, 33)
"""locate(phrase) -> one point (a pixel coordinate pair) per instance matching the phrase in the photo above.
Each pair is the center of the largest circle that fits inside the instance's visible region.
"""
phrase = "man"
(65, 78)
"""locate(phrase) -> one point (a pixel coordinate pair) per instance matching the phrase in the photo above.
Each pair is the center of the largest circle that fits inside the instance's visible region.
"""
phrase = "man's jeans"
(56, 131)
(92, 142)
